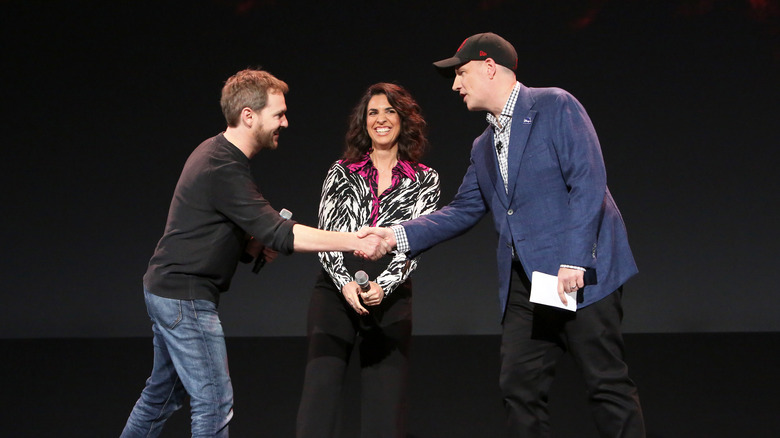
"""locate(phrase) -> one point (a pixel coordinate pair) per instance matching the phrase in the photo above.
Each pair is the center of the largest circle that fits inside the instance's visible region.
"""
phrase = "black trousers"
(383, 340)
(535, 337)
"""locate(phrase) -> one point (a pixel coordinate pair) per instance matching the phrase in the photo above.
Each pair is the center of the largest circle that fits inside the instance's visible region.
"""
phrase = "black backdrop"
(103, 101)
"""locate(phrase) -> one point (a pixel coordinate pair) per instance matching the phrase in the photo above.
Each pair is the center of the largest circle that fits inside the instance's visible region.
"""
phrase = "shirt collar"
(505, 118)
(364, 165)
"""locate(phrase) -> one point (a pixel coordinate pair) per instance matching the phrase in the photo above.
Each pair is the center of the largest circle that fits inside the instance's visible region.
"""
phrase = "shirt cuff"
(401, 242)
(579, 268)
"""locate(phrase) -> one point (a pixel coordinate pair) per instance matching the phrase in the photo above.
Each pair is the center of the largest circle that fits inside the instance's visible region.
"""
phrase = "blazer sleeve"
(459, 216)
(582, 166)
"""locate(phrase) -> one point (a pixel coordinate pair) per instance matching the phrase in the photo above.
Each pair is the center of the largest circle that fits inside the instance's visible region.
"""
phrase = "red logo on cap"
(482, 53)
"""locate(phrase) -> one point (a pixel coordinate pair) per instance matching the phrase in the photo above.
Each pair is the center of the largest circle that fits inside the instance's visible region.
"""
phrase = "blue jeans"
(189, 358)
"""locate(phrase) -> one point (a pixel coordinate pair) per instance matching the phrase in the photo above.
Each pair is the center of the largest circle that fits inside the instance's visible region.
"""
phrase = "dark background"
(103, 102)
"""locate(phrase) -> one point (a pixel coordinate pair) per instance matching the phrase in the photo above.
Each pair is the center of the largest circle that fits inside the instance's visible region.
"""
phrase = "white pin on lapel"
(527, 121)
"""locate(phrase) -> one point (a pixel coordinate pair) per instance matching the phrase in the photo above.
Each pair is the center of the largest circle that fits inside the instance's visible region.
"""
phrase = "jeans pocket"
(206, 313)
(163, 311)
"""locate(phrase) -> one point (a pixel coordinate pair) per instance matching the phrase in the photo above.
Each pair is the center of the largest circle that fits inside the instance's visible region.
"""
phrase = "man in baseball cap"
(538, 170)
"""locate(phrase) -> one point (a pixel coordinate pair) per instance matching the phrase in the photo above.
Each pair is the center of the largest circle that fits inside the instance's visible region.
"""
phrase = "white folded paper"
(544, 290)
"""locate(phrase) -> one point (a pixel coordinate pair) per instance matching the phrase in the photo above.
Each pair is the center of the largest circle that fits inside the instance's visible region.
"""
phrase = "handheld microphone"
(372, 320)
(361, 278)
(260, 261)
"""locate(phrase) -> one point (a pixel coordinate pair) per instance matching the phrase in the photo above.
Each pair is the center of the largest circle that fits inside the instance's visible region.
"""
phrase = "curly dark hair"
(411, 141)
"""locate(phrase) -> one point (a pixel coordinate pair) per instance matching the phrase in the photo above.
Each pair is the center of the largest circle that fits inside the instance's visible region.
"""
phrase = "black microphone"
(260, 260)
(361, 278)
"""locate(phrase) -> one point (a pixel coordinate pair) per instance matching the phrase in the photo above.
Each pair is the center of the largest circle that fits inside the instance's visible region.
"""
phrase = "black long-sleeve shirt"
(216, 204)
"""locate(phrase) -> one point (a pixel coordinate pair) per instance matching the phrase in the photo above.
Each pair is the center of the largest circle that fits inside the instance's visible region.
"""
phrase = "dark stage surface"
(691, 386)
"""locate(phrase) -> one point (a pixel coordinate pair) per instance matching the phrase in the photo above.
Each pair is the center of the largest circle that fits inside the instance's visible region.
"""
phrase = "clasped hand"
(353, 294)
(375, 242)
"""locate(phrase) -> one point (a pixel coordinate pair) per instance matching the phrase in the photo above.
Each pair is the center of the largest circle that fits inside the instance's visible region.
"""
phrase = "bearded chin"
(265, 139)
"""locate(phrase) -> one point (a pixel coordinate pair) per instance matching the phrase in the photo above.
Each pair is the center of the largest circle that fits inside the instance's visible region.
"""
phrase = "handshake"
(369, 242)
(374, 242)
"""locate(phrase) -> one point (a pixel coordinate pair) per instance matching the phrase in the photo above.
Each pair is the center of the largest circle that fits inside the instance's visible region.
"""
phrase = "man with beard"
(216, 215)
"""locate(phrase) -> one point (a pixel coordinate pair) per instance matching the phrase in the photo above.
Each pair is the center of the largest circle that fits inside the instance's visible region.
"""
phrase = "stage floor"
(690, 385)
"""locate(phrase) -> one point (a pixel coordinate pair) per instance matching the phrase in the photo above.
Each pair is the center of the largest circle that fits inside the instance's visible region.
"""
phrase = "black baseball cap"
(478, 48)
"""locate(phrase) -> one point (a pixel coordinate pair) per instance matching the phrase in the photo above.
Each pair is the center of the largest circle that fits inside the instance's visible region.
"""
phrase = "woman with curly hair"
(378, 182)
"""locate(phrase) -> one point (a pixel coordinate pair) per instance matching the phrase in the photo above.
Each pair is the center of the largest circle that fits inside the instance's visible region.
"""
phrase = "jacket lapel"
(488, 151)
(522, 121)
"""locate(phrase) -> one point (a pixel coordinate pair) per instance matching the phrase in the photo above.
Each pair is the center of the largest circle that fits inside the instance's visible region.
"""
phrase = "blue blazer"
(558, 209)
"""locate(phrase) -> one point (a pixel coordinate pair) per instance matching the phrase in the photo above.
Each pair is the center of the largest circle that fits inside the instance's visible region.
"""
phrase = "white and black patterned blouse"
(350, 201)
